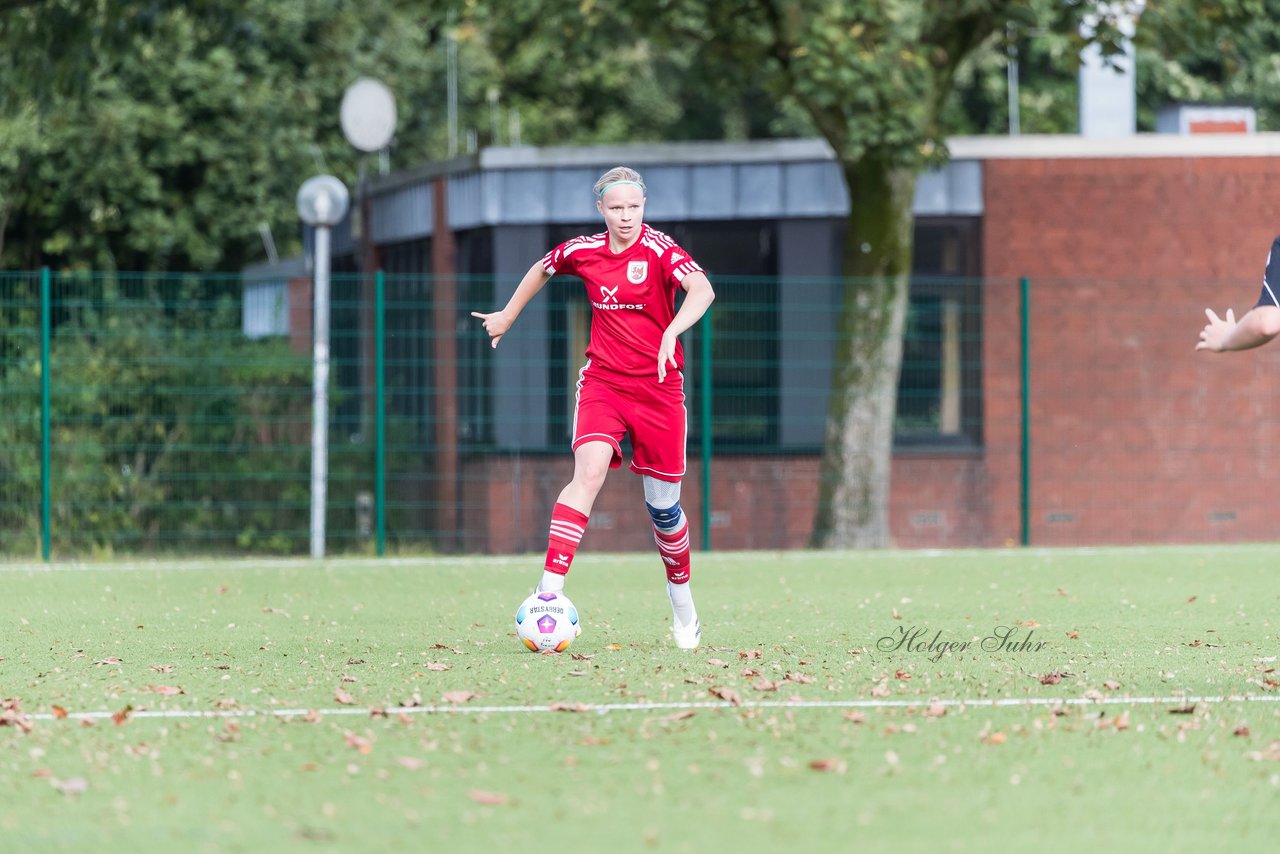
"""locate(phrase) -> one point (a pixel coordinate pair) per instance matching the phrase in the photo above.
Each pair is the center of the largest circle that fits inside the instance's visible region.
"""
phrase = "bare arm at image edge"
(1258, 326)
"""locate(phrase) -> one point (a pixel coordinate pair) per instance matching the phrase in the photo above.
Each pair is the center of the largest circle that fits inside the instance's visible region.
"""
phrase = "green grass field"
(1114, 699)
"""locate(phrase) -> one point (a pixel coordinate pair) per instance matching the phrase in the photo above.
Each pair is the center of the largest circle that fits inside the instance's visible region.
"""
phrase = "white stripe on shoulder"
(582, 243)
(661, 237)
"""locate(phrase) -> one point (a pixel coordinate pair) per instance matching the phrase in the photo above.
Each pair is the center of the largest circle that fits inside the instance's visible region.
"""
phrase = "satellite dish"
(368, 115)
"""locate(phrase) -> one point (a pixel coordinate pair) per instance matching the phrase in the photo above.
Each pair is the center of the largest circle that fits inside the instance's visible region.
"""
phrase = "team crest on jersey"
(637, 272)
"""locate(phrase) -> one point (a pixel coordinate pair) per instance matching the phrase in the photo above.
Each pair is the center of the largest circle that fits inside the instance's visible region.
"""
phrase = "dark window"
(939, 388)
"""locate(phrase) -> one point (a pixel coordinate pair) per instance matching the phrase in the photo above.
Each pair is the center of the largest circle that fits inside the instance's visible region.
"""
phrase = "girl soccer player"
(631, 383)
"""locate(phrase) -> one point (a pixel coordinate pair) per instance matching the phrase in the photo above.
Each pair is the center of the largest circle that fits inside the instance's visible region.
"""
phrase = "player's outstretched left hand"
(495, 323)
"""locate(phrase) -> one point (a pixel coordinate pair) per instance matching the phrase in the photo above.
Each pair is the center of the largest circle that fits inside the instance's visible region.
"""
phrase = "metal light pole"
(322, 203)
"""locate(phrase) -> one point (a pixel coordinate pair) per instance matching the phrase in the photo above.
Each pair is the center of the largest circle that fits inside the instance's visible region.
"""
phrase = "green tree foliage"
(1185, 51)
(146, 136)
(156, 136)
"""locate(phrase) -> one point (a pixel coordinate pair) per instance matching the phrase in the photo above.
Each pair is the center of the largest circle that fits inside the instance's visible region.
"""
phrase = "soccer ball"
(547, 622)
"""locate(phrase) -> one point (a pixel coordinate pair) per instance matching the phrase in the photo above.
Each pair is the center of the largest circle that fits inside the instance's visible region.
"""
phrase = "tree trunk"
(853, 501)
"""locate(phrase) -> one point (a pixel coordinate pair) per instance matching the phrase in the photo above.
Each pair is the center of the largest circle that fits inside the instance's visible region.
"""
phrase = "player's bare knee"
(590, 476)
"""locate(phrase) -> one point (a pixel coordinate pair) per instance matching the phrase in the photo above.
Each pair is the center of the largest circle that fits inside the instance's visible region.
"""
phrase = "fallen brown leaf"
(1073, 635)
(452, 649)
(59, 712)
(110, 659)
(826, 764)
(437, 666)
(492, 799)
(340, 695)
(411, 762)
(750, 654)
(459, 696)
(11, 715)
(855, 716)
(679, 716)
(121, 716)
(727, 694)
(357, 742)
(1271, 754)
(1241, 731)
(570, 707)
(165, 690)
(936, 709)
(1051, 679)
(799, 678)
(764, 685)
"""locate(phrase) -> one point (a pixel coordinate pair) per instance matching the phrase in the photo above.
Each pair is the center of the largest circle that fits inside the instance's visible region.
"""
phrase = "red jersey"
(632, 294)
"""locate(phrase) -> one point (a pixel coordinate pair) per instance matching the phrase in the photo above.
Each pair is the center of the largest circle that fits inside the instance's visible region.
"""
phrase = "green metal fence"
(172, 413)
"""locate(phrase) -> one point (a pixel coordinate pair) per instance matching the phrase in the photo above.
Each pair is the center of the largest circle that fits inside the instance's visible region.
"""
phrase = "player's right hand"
(495, 323)
(1214, 335)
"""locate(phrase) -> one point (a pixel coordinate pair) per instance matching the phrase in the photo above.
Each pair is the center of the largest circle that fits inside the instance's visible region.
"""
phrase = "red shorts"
(611, 406)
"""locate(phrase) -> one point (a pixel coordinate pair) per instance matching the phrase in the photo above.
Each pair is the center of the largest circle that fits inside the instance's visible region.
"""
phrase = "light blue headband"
(600, 194)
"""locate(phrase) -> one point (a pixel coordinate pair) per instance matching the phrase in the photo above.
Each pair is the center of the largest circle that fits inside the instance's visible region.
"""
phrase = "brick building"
(1132, 436)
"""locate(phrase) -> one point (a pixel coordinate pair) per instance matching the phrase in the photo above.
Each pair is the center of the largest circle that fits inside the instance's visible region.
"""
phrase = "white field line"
(606, 708)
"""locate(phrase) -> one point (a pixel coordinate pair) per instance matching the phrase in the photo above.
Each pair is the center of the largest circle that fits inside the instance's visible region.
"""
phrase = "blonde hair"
(618, 175)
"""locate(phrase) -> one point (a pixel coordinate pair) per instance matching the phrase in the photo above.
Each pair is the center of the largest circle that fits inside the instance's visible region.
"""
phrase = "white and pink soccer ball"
(547, 622)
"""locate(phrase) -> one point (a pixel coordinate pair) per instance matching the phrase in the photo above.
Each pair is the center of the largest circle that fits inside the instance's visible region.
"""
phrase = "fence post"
(1024, 497)
(379, 415)
(704, 362)
(46, 398)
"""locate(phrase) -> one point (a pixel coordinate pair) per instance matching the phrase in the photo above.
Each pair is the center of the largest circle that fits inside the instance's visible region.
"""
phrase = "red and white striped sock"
(565, 534)
(673, 546)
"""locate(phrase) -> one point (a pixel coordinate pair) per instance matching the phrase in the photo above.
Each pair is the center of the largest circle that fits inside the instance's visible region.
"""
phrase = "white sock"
(551, 582)
(682, 604)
